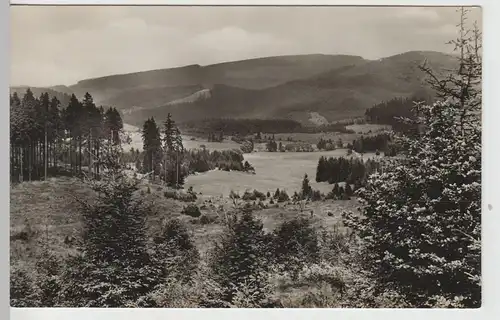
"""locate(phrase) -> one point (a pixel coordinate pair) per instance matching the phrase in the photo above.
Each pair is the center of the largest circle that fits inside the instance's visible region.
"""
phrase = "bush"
(48, 269)
(27, 233)
(22, 290)
(249, 196)
(253, 196)
(207, 219)
(316, 195)
(181, 196)
(191, 210)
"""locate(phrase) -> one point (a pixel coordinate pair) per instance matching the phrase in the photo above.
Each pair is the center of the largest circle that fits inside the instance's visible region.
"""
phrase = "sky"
(57, 45)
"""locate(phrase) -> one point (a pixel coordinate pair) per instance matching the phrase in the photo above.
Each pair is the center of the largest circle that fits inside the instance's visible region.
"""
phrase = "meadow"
(283, 170)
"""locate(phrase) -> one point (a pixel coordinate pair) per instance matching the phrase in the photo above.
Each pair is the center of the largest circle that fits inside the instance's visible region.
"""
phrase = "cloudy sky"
(61, 45)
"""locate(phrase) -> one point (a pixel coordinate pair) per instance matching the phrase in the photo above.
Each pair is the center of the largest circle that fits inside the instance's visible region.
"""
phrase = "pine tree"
(348, 190)
(277, 194)
(151, 146)
(422, 216)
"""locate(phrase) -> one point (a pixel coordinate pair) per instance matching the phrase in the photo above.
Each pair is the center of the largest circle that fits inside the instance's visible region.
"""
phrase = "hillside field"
(47, 212)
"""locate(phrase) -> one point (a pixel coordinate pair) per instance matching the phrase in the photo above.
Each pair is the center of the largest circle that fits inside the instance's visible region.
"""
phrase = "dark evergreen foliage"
(48, 139)
(240, 259)
(295, 244)
(341, 169)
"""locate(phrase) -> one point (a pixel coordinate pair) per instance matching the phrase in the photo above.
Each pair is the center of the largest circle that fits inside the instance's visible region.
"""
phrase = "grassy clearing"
(49, 210)
(283, 170)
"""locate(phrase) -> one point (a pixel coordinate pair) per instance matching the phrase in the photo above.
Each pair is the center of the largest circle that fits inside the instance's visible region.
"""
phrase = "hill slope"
(61, 96)
(337, 94)
(303, 88)
(249, 74)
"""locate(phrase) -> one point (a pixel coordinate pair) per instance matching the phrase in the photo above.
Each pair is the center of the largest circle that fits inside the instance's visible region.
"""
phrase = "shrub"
(316, 195)
(249, 196)
(207, 219)
(22, 290)
(27, 233)
(191, 210)
(259, 195)
(48, 270)
(247, 147)
(180, 195)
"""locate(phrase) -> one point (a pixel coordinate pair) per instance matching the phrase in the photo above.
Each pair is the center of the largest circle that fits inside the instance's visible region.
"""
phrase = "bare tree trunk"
(45, 154)
(98, 152)
(90, 154)
(80, 155)
(177, 170)
(152, 167)
(29, 161)
(21, 174)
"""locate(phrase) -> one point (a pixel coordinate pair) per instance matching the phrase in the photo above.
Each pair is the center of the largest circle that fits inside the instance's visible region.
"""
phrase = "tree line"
(329, 144)
(47, 138)
(392, 111)
(352, 171)
(241, 127)
(376, 143)
(245, 127)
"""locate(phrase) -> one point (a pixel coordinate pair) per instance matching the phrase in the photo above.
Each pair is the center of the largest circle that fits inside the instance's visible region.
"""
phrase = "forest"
(48, 139)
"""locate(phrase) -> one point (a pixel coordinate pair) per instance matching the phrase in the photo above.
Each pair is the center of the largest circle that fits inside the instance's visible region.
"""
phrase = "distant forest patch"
(243, 127)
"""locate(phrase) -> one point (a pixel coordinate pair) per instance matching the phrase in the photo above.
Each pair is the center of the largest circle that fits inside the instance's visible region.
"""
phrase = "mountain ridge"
(333, 87)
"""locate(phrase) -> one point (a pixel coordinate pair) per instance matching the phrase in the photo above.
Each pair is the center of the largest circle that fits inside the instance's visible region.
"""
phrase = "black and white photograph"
(245, 156)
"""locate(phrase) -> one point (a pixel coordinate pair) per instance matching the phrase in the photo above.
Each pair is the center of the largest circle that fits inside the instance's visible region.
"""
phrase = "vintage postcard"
(245, 157)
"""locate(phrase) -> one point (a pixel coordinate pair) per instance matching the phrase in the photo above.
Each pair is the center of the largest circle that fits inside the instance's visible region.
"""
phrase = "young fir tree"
(276, 193)
(295, 244)
(239, 260)
(175, 247)
(422, 216)
(114, 267)
(306, 189)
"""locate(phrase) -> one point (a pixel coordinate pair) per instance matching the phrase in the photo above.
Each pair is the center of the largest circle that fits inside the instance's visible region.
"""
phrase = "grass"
(283, 170)
(50, 211)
